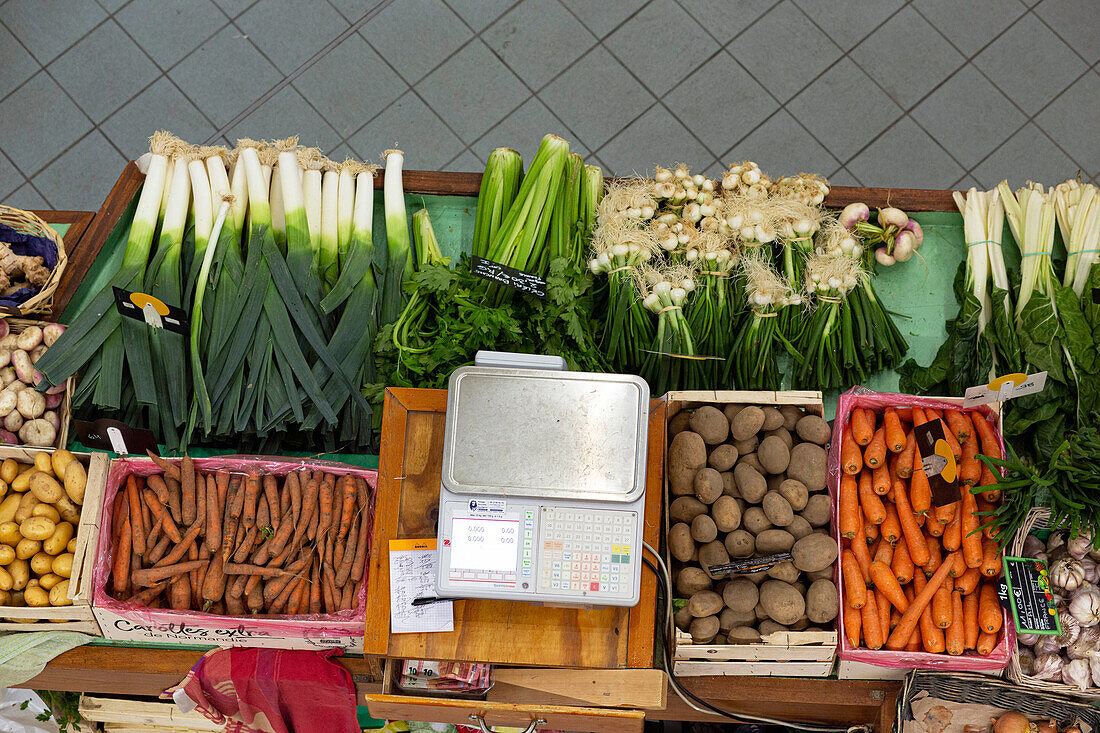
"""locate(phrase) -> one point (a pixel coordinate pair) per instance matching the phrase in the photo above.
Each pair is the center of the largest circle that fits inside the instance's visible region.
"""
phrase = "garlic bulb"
(1079, 546)
(1066, 574)
(1092, 570)
(1056, 540)
(1047, 667)
(1087, 644)
(1028, 639)
(1048, 645)
(1026, 659)
(1077, 673)
(1033, 545)
(1094, 668)
(1084, 604)
(1071, 629)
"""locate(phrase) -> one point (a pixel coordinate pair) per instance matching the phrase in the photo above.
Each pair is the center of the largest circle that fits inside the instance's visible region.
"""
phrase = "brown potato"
(814, 552)
(691, 580)
(755, 520)
(750, 483)
(747, 422)
(767, 626)
(747, 446)
(743, 635)
(826, 573)
(784, 571)
(818, 509)
(726, 513)
(783, 434)
(710, 424)
(740, 543)
(771, 541)
(813, 429)
(782, 602)
(730, 619)
(707, 485)
(680, 544)
(807, 464)
(741, 595)
(795, 492)
(683, 619)
(703, 630)
(686, 455)
(777, 509)
(791, 415)
(711, 554)
(731, 410)
(722, 457)
(678, 423)
(799, 527)
(705, 603)
(822, 601)
(773, 454)
(703, 529)
(752, 460)
(685, 509)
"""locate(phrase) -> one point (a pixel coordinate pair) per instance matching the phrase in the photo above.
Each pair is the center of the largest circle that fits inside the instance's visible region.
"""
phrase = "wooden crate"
(123, 716)
(77, 617)
(789, 654)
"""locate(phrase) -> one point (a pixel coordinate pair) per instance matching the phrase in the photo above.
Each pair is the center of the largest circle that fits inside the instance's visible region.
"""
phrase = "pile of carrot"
(240, 543)
(916, 576)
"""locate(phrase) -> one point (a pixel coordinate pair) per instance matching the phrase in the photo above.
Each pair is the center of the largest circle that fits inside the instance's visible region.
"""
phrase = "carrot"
(885, 580)
(891, 527)
(855, 587)
(271, 491)
(360, 557)
(952, 442)
(952, 534)
(213, 585)
(234, 605)
(933, 528)
(919, 417)
(955, 636)
(969, 530)
(327, 593)
(920, 493)
(347, 601)
(894, 434)
(254, 596)
(990, 446)
(146, 596)
(914, 640)
(941, 606)
(156, 552)
(324, 512)
(189, 503)
(901, 564)
(935, 554)
(967, 583)
(989, 479)
(155, 482)
(946, 512)
(911, 616)
(869, 500)
(884, 552)
(933, 413)
(170, 469)
(348, 491)
(914, 537)
(161, 515)
(309, 508)
(182, 547)
(870, 532)
(230, 528)
(299, 600)
(970, 620)
(986, 644)
(904, 413)
(984, 508)
(959, 426)
(851, 460)
(179, 593)
(970, 468)
(232, 568)
(148, 576)
(274, 587)
(263, 514)
(872, 627)
(863, 425)
(213, 537)
(931, 635)
(120, 569)
(277, 542)
(991, 558)
(315, 588)
(905, 458)
(252, 485)
(120, 510)
(137, 527)
(244, 549)
(853, 622)
(296, 496)
(874, 455)
(880, 480)
(990, 617)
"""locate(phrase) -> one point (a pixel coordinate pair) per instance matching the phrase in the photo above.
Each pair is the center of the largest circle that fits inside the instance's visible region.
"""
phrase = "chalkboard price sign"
(1029, 597)
(519, 280)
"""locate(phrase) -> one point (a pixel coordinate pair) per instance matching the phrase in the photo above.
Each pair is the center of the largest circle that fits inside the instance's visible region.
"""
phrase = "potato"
(784, 571)
(22, 482)
(9, 470)
(813, 429)
(745, 447)
(68, 510)
(686, 454)
(57, 542)
(26, 549)
(752, 460)
(6, 580)
(782, 602)
(43, 463)
(710, 424)
(726, 513)
(730, 619)
(822, 601)
(76, 481)
(45, 487)
(799, 527)
(7, 554)
(703, 630)
(49, 580)
(755, 520)
(691, 580)
(801, 624)
(773, 418)
(777, 509)
(731, 410)
(60, 459)
(750, 484)
(680, 544)
(41, 562)
(36, 597)
(20, 572)
(791, 415)
(767, 626)
(729, 486)
(807, 465)
(740, 543)
(711, 554)
(705, 603)
(818, 509)
(773, 454)
(741, 595)
(743, 635)
(47, 511)
(826, 573)
(3, 488)
(814, 552)
(37, 528)
(759, 612)
(9, 506)
(9, 533)
(683, 618)
(703, 529)
(783, 434)
(71, 547)
(59, 594)
(722, 457)
(747, 422)
(685, 509)
(27, 503)
(771, 541)
(707, 485)
(795, 492)
(63, 565)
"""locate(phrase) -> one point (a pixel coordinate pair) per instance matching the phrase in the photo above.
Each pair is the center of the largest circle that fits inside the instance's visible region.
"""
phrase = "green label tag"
(1029, 598)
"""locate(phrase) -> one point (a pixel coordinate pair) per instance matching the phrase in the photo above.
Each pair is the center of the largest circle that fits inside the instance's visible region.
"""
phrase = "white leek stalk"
(327, 254)
(311, 192)
(278, 220)
(345, 206)
(399, 267)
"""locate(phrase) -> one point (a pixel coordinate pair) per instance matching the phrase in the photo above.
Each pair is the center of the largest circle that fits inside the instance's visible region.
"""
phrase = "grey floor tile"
(905, 157)
(908, 57)
(100, 166)
(781, 148)
(968, 182)
(596, 97)
(480, 13)
(25, 197)
(16, 64)
(1077, 22)
(784, 50)
(523, 130)
(104, 71)
(843, 177)
(1030, 64)
(353, 10)
(654, 138)
(968, 116)
(48, 27)
(972, 24)
(849, 21)
(722, 104)
(724, 19)
(343, 152)
(350, 85)
(40, 121)
(844, 110)
(661, 44)
(604, 16)
(222, 96)
(466, 162)
(286, 114)
(169, 30)
(112, 6)
(538, 39)
(410, 125)
(414, 49)
(473, 91)
(268, 21)
(1071, 121)
(1027, 155)
(10, 177)
(160, 106)
(233, 8)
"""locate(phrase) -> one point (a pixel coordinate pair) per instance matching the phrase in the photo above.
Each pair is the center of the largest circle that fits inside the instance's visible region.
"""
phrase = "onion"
(1032, 546)
(1079, 546)
(1011, 722)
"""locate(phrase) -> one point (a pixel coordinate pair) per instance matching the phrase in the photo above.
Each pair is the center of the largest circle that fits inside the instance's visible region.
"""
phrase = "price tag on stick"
(1005, 388)
(938, 462)
(1026, 586)
(115, 436)
(146, 308)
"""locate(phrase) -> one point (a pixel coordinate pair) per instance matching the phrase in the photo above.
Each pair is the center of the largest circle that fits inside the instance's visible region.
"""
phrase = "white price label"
(1005, 388)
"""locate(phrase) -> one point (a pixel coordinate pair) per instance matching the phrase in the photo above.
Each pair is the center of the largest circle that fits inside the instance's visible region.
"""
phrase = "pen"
(429, 600)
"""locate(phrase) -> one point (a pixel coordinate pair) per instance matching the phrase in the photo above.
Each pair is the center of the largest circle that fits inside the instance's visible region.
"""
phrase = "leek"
(399, 256)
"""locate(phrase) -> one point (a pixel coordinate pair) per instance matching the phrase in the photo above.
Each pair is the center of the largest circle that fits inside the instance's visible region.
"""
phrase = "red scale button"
(594, 586)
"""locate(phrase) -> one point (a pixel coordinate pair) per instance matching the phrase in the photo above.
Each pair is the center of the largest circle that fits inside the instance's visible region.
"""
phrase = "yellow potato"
(49, 580)
(45, 487)
(7, 554)
(63, 565)
(7, 582)
(9, 533)
(22, 482)
(5, 598)
(17, 599)
(43, 463)
(33, 583)
(37, 597)
(69, 511)
(9, 470)
(20, 572)
(76, 481)
(71, 547)
(61, 460)
(41, 563)
(27, 503)
(37, 528)
(59, 594)
(3, 487)
(55, 545)
(8, 507)
(46, 510)
(27, 549)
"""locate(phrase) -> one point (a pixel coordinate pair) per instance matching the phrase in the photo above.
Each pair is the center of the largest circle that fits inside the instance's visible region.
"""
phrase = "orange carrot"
(873, 509)
(855, 589)
(849, 506)
(880, 480)
(967, 583)
(933, 413)
(870, 531)
(990, 617)
(914, 537)
(952, 442)
(188, 504)
(120, 570)
(910, 618)
(971, 535)
(988, 481)
(851, 460)
(905, 458)
(941, 606)
(986, 644)
(863, 425)
(991, 558)
(955, 636)
(853, 618)
(952, 534)
(990, 446)
(348, 506)
(161, 515)
(920, 493)
(901, 564)
(959, 425)
(970, 468)
(883, 606)
(886, 582)
(919, 417)
(933, 528)
(875, 453)
(891, 527)
(935, 554)
(872, 628)
(895, 435)
(970, 620)
(252, 485)
(945, 513)
(149, 576)
(931, 635)
(905, 414)
(137, 526)
(863, 556)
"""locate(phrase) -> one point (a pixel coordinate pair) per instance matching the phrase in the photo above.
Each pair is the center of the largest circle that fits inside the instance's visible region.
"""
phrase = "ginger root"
(32, 268)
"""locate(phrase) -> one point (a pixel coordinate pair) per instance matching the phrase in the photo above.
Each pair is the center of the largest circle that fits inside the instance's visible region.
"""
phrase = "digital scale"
(542, 493)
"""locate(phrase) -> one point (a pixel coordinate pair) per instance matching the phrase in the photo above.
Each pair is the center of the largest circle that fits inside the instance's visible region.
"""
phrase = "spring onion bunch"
(671, 358)
(752, 363)
(829, 354)
(627, 325)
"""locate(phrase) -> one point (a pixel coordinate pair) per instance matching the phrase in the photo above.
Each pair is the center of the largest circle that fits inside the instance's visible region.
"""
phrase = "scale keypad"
(586, 552)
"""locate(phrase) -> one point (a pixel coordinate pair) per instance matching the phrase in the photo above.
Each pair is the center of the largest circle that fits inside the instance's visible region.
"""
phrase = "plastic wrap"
(968, 662)
(133, 619)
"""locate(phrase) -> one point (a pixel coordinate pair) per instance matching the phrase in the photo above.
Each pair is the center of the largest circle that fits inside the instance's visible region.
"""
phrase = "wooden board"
(502, 632)
(605, 688)
(78, 222)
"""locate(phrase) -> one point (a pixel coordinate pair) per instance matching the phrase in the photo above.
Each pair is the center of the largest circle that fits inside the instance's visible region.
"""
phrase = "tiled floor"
(918, 93)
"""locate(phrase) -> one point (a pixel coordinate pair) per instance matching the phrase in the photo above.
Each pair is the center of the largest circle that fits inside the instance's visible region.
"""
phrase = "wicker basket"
(965, 687)
(65, 409)
(27, 223)
(1039, 518)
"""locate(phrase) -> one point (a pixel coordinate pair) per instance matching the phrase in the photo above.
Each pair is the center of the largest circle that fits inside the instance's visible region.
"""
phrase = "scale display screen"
(484, 544)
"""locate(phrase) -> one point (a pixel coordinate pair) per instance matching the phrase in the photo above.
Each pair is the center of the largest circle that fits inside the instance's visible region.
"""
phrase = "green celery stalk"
(499, 184)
